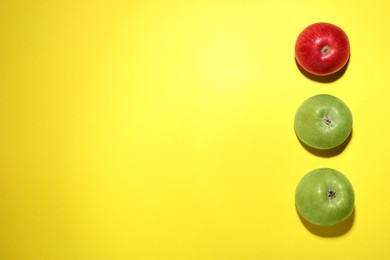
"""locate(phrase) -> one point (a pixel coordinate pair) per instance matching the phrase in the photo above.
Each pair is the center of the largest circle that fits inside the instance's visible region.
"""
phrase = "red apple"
(322, 49)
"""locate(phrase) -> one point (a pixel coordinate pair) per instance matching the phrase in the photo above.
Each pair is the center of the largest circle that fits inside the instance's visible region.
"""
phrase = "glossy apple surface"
(324, 197)
(323, 122)
(322, 49)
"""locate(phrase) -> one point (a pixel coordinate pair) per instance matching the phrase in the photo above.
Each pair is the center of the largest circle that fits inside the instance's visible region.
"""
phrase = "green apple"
(323, 122)
(324, 197)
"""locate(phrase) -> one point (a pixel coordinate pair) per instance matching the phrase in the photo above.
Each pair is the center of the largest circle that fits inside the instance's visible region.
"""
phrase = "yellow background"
(164, 130)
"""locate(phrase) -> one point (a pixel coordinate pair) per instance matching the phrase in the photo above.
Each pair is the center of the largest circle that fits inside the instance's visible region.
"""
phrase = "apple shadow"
(330, 231)
(323, 79)
(327, 153)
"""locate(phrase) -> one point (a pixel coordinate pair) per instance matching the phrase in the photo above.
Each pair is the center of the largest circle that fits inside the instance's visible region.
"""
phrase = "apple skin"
(325, 197)
(323, 122)
(322, 49)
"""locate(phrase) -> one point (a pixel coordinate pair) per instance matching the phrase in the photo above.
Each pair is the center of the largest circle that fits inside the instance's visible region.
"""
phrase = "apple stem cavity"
(331, 194)
(325, 49)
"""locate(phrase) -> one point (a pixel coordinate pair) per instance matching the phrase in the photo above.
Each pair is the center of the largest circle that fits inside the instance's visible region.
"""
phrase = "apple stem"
(331, 194)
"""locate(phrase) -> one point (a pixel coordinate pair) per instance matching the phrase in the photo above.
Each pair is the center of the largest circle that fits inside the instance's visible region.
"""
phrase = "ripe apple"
(323, 122)
(324, 197)
(322, 49)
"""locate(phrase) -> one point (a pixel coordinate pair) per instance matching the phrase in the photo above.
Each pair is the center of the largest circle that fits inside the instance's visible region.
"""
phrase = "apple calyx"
(331, 194)
(327, 120)
(325, 49)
